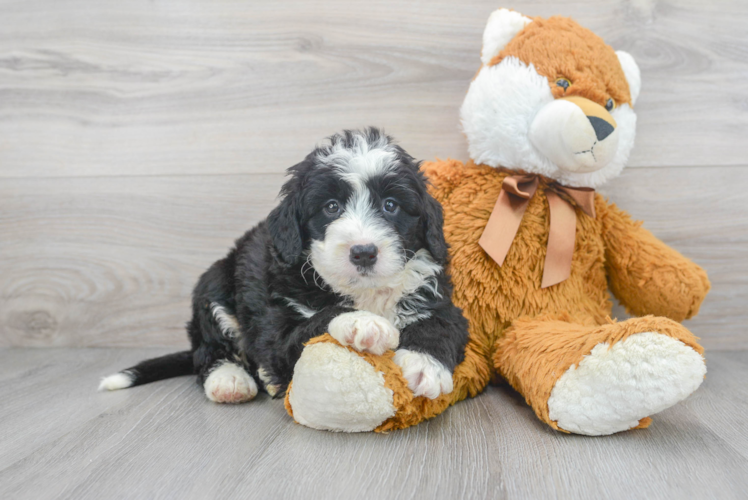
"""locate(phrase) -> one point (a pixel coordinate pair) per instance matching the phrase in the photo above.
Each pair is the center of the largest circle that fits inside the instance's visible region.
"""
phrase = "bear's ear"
(632, 73)
(502, 26)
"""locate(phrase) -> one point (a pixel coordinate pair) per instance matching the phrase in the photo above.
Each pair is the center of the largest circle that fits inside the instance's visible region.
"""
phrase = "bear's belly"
(492, 296)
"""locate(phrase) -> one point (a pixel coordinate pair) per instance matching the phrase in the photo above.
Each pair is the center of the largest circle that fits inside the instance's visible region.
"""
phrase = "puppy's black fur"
(267, 272)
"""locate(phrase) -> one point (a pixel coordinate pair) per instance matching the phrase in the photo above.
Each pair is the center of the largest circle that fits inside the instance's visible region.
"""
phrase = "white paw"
(365, 331)
(615, 387)
(425, 375)
(230, 383)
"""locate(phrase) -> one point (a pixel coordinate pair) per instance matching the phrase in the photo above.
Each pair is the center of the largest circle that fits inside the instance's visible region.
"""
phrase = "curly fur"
(533, 336)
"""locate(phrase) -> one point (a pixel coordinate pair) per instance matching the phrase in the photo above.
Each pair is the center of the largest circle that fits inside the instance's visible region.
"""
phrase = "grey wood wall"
(139, 138)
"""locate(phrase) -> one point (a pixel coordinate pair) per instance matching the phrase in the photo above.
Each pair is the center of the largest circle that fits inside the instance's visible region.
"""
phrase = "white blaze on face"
(361, 162)
(390, 287)
(360, 224)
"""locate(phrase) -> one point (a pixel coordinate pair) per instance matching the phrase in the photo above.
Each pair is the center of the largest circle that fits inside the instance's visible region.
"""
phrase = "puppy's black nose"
(602, 128)
(363, 255)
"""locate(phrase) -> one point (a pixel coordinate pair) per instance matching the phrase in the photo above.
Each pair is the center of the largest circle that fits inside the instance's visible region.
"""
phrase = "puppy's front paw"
(425, 375)
(365, 331)
(230, 383)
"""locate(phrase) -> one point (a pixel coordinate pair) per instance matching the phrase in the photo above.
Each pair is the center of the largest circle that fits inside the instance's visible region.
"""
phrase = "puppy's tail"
(150, 370)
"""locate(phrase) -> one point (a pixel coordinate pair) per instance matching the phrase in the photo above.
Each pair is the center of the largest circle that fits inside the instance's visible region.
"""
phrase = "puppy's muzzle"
(363, 256)
(576, 134)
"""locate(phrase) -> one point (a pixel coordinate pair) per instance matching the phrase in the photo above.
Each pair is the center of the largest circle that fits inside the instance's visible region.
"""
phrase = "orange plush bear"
(549, 118)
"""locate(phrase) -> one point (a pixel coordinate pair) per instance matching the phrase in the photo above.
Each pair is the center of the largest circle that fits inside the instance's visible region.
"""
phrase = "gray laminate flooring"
(139, 138)
(59, 438)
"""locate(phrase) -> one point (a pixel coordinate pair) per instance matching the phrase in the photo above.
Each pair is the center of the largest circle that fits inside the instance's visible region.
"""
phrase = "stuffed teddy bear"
(549, 118)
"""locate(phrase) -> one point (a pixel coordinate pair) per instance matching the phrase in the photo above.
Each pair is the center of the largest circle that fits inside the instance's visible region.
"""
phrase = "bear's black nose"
(602, 128)
(363, 255)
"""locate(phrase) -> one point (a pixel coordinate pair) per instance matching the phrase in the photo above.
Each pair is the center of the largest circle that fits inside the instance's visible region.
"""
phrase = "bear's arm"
(645, 274)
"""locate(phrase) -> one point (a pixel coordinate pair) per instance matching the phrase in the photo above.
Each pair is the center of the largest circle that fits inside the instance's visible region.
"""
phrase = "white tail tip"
(121, 380)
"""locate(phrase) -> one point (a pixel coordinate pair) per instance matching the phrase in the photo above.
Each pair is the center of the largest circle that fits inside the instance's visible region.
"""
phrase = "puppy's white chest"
(380, 301)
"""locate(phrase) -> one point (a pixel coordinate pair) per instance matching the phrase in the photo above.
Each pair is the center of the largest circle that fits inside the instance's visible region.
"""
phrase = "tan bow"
(516, 193)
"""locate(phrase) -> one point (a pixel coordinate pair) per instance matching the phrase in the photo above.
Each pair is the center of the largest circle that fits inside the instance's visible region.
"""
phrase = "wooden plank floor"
(60, 439)
(138, 139)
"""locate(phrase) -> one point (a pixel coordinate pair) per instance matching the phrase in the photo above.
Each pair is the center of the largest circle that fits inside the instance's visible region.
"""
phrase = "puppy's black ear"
(434, 229)
(284, 222)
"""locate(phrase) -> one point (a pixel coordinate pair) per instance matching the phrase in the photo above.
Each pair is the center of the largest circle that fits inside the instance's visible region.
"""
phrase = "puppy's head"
(358, 209)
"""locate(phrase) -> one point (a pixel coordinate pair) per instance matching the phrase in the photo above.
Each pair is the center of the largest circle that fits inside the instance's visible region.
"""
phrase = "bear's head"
(552, 99)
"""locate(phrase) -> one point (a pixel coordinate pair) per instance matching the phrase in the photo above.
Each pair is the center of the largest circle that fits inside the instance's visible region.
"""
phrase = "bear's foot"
(339, 388)
(614, 387)
(335, 389)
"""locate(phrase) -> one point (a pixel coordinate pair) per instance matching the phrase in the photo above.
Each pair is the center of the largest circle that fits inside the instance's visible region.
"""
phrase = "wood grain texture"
(187, 87)
(62, 440)
(106, 261)
(138, 140)
(112, 261)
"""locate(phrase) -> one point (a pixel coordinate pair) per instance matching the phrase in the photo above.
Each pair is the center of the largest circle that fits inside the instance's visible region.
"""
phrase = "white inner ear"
(502, 26)
(632, 73)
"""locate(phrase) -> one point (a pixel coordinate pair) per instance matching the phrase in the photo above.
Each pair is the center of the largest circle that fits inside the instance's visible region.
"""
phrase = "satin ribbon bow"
(516, 193)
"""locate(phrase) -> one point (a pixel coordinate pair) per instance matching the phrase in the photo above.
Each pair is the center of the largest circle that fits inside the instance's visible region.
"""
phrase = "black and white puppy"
(356, 249)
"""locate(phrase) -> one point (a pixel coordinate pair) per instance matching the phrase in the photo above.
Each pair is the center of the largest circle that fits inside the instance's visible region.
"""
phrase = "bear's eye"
(610, 104)
(563, 83)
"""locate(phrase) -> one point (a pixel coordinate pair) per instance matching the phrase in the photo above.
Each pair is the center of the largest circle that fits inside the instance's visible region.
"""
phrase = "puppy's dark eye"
(563, 83)
(610, 104)
(390, 206)
(332, 207)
